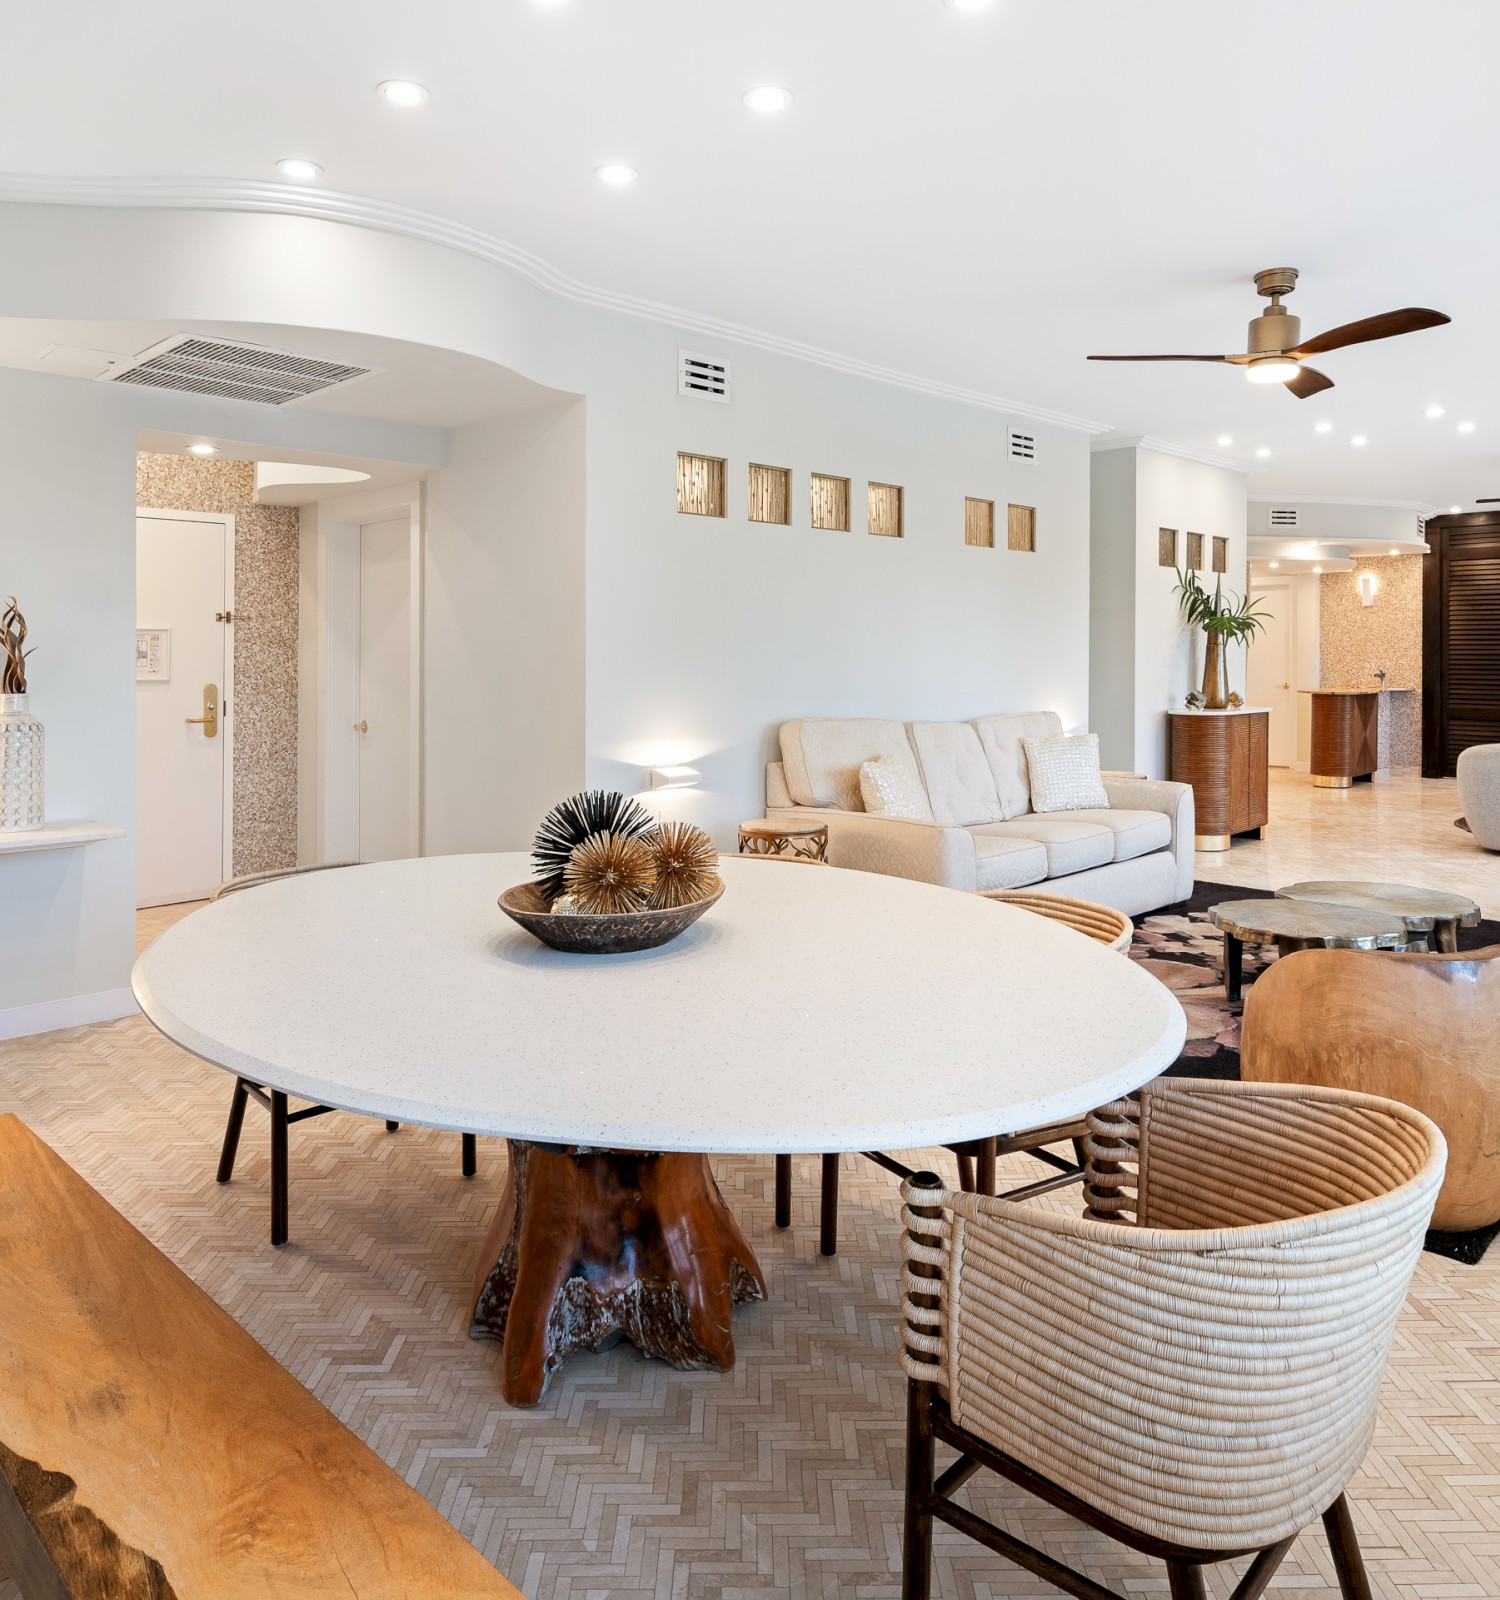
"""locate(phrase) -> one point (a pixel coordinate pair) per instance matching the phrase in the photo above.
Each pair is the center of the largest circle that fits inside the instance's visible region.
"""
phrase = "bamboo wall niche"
(1195, 552)
(830, 502)
(1221, 553)
(979, 523)
(1020, 527)
(1166, 547)
(700, 485)
(886, 514)
(770, 494)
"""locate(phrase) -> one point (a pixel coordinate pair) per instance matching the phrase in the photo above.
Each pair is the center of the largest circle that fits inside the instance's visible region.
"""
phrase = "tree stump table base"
(590, 1246)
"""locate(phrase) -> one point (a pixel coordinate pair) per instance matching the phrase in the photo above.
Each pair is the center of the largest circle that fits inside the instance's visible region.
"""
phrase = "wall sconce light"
(675, 777)
(1367, 588)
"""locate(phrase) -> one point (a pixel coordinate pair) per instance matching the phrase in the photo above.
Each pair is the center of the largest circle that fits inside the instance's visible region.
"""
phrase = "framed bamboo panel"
(830, 502)
(1221, 553)
(700, 485)
(1020, 527)
(1195, 552)
(770, 494)
(1166, 547)
(886, 511)
(979, 523)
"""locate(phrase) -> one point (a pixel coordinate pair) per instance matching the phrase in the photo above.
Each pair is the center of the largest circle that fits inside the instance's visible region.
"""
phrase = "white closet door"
(383, 728)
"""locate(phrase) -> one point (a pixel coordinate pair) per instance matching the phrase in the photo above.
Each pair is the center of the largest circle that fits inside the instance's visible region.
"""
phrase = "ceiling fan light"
(1271, 369)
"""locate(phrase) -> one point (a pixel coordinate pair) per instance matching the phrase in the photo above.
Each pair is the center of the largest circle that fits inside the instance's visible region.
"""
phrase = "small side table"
(1298, 925)
(1430, 915)
(796, 841)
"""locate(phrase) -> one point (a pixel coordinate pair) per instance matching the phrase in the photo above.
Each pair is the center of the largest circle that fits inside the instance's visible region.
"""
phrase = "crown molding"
(363, 211)
(1420, 506)
(1164, 447)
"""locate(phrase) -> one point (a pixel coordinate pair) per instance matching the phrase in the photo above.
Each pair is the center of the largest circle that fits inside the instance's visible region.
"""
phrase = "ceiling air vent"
(233, 371)
(702, 376)
(1282, 517)
(1422, 528)
(1022, 446)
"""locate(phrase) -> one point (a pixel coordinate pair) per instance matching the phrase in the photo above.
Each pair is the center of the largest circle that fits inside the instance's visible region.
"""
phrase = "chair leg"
(232, 1130)
(783, 1191)
(965, 1171)
(1343, 1545)
(471, 1154)
(278, 1168)
(391, 1127)
(1186, 1581)
(828, 1238)
(984, 1167)
(916, 1538)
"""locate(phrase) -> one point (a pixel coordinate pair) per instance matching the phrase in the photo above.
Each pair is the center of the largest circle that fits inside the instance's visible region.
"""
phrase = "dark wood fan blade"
(1165, 358)
(1487, 502)
(1309, 381)
(1386, 326)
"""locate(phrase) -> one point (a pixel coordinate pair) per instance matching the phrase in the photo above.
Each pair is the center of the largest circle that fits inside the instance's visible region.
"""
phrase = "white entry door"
(1268, 675)
(384, 724)
(184, 578)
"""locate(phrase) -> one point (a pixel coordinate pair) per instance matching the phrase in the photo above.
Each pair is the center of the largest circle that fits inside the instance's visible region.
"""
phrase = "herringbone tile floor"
(632, 1480)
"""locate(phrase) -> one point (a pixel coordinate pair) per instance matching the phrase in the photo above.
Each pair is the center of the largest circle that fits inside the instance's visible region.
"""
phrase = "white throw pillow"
(1065, 773)
(890, 787)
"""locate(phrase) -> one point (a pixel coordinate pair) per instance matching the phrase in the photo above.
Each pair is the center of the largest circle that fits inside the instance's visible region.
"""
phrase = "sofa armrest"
(1176, 799)
(926, 851)
(778, 796)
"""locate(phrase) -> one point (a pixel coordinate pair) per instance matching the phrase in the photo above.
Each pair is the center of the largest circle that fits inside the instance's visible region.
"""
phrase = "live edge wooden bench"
(151, 1450)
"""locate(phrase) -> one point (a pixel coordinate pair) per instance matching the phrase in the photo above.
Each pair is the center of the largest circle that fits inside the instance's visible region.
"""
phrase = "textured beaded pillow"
(890, 787)
(1065, 773)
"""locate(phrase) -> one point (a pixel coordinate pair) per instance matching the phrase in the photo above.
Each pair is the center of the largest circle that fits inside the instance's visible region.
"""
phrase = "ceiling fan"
(1277, 348)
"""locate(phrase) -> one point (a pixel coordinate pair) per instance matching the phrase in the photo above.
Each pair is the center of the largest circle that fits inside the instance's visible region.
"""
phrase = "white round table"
(809, 1010)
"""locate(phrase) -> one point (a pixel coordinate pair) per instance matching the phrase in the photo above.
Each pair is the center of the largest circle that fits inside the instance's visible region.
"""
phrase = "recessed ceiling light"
(1466, 427)
(1318, 570)
(1322, 427)
(1454, 510)
(1393, 552)
(1433, 411)
(1275, 563)
(401, 92)
(1359, 439)
(300, 171)
(203, 449)
(967, 5)
(768, 98)
(1263, 454)
(1223, 439)
(616, 174)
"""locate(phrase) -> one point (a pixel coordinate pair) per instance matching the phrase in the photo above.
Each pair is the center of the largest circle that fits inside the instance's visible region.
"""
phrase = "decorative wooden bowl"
(600, 936)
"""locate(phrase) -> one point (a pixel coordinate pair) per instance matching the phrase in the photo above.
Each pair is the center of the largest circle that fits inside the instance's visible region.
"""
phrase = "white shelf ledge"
(57, 836)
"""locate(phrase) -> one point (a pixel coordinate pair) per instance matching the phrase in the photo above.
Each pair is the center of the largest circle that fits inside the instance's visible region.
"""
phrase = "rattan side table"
(796, 841)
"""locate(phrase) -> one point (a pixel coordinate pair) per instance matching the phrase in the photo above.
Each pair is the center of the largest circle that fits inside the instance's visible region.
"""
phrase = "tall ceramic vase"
(20, 766)
(1215, 674)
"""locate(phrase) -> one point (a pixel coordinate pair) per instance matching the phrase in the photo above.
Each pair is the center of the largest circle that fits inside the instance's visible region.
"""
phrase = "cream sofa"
(1135, 855)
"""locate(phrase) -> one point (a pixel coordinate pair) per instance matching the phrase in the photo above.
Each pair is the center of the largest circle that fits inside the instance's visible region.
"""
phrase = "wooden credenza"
(1224, 756)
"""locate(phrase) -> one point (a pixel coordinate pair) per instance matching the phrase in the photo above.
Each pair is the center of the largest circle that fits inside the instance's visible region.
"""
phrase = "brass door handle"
(1283, 686)
(209, 721)
(361, 727)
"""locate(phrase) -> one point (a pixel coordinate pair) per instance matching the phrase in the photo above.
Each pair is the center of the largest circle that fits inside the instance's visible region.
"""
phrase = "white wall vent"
(232, 371)
(1281, 517)
(1422, 528)
(702, 376)
(1022, 446)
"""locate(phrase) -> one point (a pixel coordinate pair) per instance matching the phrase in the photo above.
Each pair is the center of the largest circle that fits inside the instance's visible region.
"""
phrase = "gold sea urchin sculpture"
(686, 865)
(610, 873)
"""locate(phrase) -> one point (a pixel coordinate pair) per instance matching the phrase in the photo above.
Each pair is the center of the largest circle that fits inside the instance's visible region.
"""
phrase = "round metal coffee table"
(1433, 913)
(1298, 925)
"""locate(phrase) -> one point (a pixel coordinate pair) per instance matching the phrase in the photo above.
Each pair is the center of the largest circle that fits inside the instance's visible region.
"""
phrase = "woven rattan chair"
(276, 1103)
(1193, 1366)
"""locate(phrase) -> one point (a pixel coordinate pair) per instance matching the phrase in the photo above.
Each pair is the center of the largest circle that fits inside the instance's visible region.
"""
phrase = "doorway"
(1269, 674)
(184, 705)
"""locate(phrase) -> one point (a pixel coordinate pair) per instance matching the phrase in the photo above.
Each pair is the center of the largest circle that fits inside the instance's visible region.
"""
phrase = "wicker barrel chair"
(1192, 1367)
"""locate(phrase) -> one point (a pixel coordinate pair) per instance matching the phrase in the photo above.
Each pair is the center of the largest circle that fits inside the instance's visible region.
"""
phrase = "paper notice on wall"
(153, 654)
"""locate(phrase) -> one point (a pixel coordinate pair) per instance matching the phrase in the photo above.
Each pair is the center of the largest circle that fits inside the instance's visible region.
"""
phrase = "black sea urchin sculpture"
(580, 817)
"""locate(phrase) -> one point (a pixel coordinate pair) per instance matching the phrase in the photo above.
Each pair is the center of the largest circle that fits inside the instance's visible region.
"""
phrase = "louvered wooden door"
(1460, 640)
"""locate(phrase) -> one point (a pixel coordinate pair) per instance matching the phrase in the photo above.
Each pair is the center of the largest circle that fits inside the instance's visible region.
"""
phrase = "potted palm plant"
(20, 732)
(1238, 617)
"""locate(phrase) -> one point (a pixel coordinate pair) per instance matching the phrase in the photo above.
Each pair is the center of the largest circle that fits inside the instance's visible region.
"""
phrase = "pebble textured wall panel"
(265, 644)
(1356, 639)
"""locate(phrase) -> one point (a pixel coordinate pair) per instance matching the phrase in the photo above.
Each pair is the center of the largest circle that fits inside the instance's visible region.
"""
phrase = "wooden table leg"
(589, 1246)
(1234, 966)
(1445, 935)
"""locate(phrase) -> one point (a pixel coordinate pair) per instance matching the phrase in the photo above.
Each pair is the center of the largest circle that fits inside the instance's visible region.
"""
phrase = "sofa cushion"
(889, 786)
(1000, 739)
(822, 756)
(1008, 863)
(960, 786)
(1064, 773)
(1072, 844)
(1137, 833)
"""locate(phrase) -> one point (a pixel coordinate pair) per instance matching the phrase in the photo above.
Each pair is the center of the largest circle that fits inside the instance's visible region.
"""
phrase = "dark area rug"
(1185, 952)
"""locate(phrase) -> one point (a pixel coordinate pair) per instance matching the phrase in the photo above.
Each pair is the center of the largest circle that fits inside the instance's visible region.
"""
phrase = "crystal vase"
(20, 766)
(1215, 674)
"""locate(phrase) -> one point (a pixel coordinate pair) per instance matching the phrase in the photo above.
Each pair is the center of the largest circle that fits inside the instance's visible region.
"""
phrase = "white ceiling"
(978, 198)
